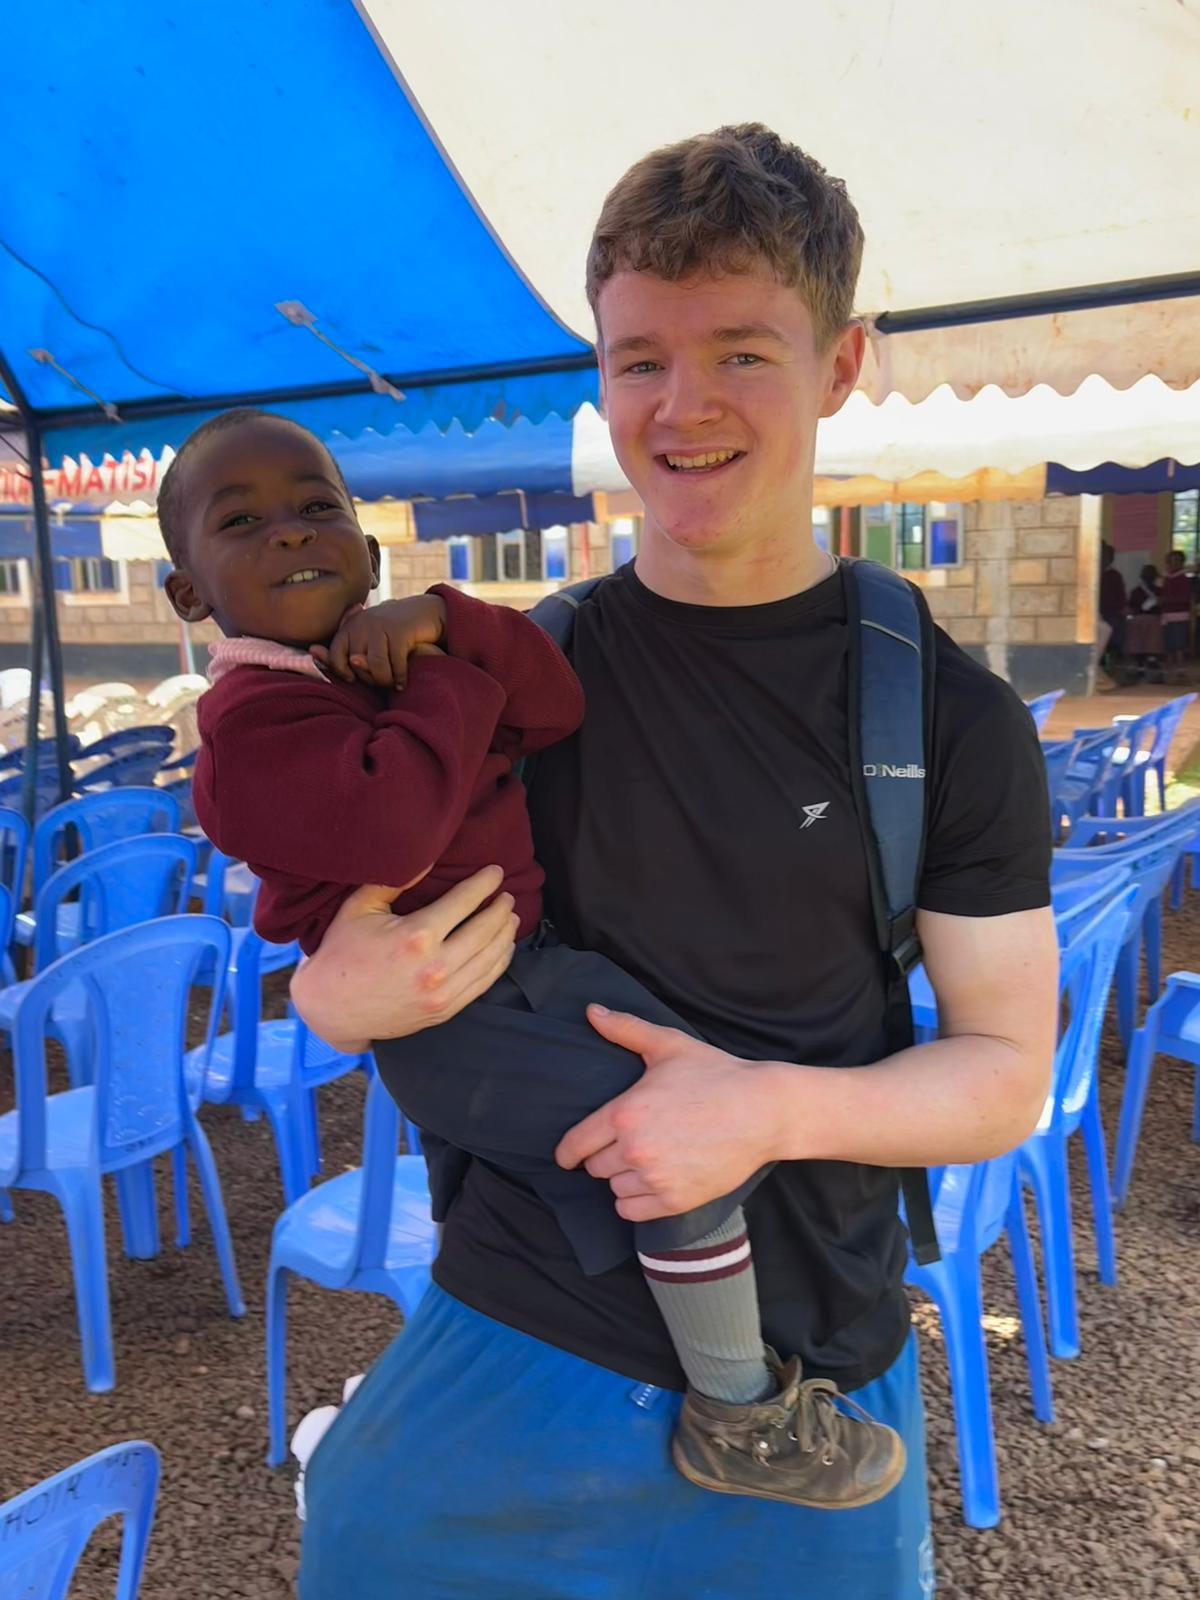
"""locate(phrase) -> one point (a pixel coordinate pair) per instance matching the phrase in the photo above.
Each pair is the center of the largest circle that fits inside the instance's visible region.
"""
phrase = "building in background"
(1013, 581)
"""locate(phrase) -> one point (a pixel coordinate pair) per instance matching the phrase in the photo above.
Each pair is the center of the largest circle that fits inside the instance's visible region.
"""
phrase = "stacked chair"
(116, 738)
(1041, 707)
(95, 901)
(114, 957)
(1113, 867)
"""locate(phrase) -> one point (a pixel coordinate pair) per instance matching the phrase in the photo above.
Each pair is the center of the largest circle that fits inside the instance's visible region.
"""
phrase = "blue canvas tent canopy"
(375, 214)
(239, 203)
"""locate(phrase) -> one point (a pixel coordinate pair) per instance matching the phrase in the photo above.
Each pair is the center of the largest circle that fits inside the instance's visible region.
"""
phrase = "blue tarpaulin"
(432, 464)
(71, 538)
(186, 171)
(499, 513)
(1160, 477)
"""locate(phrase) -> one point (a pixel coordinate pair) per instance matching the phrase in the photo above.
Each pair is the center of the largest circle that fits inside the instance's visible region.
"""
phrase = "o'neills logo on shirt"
(885, 770)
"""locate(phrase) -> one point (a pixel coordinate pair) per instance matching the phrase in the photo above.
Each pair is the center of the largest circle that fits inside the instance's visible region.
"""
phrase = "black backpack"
(891, 677)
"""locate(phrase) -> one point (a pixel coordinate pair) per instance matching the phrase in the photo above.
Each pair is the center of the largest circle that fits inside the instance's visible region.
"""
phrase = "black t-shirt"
(675, 836)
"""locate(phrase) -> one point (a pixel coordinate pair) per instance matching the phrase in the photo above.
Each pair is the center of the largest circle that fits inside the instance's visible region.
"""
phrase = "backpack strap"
(890, 691)
(555, 614)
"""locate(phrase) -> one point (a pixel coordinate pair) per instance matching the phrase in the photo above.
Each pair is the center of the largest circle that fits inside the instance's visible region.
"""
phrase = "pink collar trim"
(227, 654)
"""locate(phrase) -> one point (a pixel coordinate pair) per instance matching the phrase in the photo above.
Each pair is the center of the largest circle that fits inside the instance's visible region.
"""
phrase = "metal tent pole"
(33, 716)
(44, 598)
(48, 607)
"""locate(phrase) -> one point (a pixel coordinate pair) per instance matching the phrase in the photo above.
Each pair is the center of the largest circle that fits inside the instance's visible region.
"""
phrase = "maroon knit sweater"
(321, 787)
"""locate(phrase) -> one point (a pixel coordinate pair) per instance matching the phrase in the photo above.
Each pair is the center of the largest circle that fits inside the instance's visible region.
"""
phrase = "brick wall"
(1028, 577)
(415, 566)
(143, 617)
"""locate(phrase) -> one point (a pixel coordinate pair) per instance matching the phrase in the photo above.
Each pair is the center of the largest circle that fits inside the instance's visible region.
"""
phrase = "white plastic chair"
(183, 684)
(14, 686)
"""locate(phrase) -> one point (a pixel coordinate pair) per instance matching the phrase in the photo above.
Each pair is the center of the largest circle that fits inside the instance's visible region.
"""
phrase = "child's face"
(1174, 562)
(274, 549)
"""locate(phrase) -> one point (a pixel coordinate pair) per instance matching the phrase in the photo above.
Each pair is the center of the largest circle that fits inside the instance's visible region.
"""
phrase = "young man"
(507, 1444)
(401, 766)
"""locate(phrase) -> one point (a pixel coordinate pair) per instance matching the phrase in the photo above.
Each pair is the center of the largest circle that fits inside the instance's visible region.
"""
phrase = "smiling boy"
(672, 830)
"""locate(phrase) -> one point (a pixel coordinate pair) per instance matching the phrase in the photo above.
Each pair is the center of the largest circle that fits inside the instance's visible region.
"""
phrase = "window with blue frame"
(910, 536)
(945, 534)
(520, 555)
(555, 554)
(11, 586)
(623, 534)
(462, 566)
(87, 575)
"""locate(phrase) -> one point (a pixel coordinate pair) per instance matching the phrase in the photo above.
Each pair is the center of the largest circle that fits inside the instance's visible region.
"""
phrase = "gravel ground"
(1104, 1502)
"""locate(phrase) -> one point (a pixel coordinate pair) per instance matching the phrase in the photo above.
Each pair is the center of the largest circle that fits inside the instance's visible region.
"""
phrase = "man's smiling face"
(713, 387)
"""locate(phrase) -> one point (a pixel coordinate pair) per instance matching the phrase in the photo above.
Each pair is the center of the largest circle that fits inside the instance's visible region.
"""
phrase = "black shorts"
(506, 1078)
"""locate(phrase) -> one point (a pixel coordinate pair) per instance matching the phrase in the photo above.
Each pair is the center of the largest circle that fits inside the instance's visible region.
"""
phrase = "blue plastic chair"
(47, 751)
(271, 1067)
(46, 1529)
(137, 983)
(1166, 719)
(1042, 705)
(1058, 757)
(1180, 876)
(1076, 900)
(230, 888)
(1152, 848)
(1171, 1028)
(1127, 781)
(1073, 1106)
(14, 855)
(974, 1205)
(1073, 902)
(45, 793)
(231, 891)
(133, 768)
(1087, 786)
(119, 884)
(186, 763)
(89, 822)
(368, 1229)
(175, 778)
(126, 741)
(6, 1210)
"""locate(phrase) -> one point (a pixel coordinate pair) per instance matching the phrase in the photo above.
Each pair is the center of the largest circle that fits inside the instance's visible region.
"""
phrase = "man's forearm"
(956, 1100)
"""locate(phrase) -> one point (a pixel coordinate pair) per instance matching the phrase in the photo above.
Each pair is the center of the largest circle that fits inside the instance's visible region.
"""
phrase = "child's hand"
(374, 645)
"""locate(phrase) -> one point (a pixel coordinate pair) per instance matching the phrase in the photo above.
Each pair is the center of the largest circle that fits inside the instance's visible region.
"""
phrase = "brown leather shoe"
(809, 1446)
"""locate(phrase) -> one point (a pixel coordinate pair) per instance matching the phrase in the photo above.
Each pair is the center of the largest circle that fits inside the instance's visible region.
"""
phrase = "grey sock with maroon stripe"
(708, 1298)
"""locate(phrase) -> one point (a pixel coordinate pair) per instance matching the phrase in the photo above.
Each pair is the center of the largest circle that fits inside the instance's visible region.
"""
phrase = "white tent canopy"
(993, 152)
(955, 438)
(897, 439)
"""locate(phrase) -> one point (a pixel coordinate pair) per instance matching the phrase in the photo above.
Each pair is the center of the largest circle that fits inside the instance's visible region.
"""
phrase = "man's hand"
(379, 976)
(374, 643)
(692, 1129)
